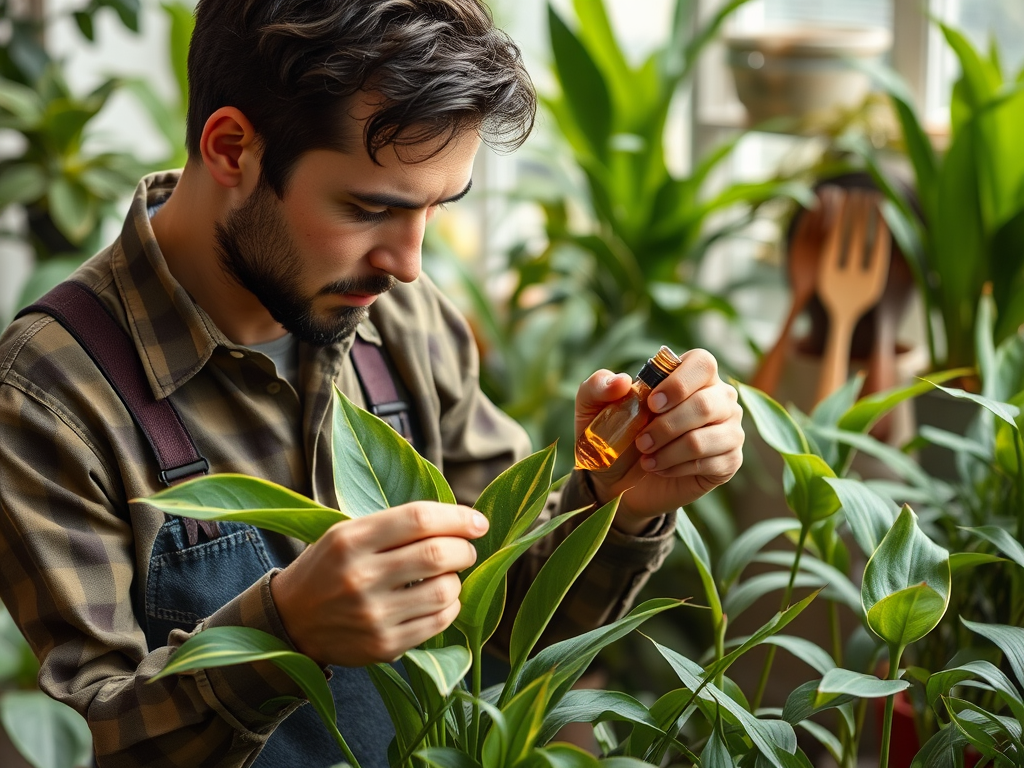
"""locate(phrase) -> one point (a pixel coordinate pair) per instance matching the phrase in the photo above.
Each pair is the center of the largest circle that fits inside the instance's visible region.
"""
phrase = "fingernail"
(658, 402)
(645, 442)
(648, 463)
(480, 522)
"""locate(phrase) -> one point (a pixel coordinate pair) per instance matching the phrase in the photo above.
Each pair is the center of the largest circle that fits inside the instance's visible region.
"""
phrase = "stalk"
(349, 757)
(769, 659)
(427, 728)
(474, 725)
(1020, 487)
(720, 648)
(890, 702)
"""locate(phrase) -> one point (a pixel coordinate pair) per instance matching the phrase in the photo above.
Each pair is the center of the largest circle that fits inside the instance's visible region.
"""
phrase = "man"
(322, 137)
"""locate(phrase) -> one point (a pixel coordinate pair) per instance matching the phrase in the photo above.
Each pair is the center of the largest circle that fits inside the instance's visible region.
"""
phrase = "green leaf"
(594, 707)
(1009, 639)
(444, 666)
(807, 494)
(774, 625)
(748, 592)
(716, 753)
(768, 736)
(941, 683)
(1002, 540)
(483, 591)
(568, 659)
(512, 501)
(375, 468)
(869, 514)
(583, 86)
(555, 578)
(21, 183)
(72, 207)
(806, 651)
(404, 710)
(773, 423)
(21, 101)
(524, 718)
(962, 560)
(48, 734)
(699, 552)
(839, 682)
(802, 703)
(245, 499)
(1008, 413)
(839, 585)
(446, 757)
(908, 615)
(227, 646)
(741, 552)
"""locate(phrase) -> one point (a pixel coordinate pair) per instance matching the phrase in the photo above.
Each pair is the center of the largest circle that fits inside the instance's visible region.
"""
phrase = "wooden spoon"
(805, 248)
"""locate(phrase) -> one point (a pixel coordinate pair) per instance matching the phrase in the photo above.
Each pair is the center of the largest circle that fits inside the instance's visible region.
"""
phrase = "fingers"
(595, 393)
(698, 426)
(405, 524)
(424, 560)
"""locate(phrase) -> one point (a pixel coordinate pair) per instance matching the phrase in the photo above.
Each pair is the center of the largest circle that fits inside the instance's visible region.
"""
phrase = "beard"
(256, 250)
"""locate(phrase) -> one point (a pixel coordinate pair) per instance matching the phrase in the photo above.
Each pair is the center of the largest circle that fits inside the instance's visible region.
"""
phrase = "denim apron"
(189, 583)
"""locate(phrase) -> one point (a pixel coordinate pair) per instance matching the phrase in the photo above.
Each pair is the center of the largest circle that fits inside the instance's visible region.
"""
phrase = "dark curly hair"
(438, 67)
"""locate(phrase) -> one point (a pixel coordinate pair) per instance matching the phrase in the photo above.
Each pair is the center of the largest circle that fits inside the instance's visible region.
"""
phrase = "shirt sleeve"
(66, 573)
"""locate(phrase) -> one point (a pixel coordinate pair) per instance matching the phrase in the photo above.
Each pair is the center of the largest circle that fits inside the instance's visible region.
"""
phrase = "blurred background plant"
(67, 189)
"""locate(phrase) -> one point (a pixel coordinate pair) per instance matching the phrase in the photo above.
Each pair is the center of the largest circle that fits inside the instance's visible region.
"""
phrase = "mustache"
(373, 284)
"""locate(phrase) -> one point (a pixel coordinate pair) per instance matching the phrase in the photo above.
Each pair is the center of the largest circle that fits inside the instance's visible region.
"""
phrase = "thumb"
(595, 393)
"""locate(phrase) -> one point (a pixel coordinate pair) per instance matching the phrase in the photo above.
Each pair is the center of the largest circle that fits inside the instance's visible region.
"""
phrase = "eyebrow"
(385, 200)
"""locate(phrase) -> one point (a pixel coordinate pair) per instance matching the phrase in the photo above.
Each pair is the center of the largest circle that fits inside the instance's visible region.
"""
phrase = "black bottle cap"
(651, 375)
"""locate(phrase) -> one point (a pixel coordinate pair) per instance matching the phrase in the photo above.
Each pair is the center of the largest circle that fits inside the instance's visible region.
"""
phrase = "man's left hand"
(692, 444)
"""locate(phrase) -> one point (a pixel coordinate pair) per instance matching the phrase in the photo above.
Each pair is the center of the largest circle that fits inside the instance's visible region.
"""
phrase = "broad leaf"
(512, 501)
(807, 494)
(446, 757)
(226, 646)
(768, 736)
(483, 591)
(444, 666)
(906, 584)
(941, 683)
(716, 752)
(699, 552)
(802, 703)
(806, 651)
(1002, 540)
(741, 552)
(244, 499)
(1009, 639)
(869, 514)
(555, 578)
(374, 467)
(596, 706)
(568, 659)
(47, 733)
(838, 682)
(524, 718)
(21, 183)
(404, 710)
(1008, 413)
(773, 423)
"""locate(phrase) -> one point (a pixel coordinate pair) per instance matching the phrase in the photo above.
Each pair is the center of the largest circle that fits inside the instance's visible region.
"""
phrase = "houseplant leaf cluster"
(969, 229)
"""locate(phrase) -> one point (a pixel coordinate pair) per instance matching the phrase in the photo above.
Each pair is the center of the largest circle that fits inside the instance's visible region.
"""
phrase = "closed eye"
(370, 217)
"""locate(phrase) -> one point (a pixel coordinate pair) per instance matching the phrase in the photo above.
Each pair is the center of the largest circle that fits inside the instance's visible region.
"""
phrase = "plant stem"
(894, 670)
(1020, 487)
(720, 649)
(787, 597)
(349, 757)
(474, 725)
(427, 728)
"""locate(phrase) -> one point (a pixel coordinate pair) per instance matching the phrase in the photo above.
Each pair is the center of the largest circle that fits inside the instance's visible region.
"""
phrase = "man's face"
(346, 231)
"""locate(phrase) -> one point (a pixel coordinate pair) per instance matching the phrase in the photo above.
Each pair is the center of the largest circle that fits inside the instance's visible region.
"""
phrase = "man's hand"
(374, 587)
(693, 443)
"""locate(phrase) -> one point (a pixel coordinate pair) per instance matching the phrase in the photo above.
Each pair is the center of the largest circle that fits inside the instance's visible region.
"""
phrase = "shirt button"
(274, 387)
(237, 355)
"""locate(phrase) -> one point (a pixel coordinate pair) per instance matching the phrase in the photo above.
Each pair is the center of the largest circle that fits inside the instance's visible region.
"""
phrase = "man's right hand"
(374, 587)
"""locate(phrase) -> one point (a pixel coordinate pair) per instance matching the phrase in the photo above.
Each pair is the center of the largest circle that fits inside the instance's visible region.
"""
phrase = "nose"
(401, 249)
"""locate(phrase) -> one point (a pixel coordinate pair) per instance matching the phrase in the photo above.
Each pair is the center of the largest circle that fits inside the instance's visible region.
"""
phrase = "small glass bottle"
(617, 425)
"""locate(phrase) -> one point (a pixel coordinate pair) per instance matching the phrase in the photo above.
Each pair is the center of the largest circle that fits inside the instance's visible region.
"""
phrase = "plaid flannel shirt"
(74, 554)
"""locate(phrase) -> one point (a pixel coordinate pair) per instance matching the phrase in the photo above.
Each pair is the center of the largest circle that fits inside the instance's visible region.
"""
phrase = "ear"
(228, 146)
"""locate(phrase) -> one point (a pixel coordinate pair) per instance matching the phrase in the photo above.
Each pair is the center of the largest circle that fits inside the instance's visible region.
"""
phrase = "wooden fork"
(851, 278)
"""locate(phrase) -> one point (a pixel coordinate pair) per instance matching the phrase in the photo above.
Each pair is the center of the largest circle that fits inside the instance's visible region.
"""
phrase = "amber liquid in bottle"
(615, 428)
